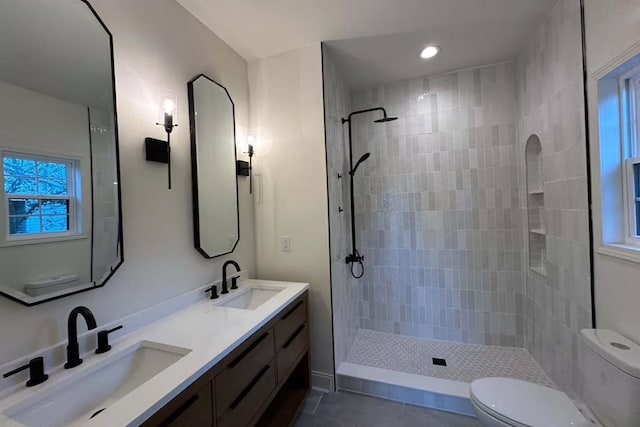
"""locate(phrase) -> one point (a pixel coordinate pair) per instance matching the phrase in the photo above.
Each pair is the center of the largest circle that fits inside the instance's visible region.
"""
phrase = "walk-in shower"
(438, 203)
(355, 258)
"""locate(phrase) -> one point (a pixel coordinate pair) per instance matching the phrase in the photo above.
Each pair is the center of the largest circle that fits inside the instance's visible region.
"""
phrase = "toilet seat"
(523, 404)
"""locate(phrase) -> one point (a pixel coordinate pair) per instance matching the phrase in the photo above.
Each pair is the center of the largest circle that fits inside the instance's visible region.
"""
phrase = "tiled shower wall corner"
(344, 288)
(439, 208)
(551, 105)
(105, 197)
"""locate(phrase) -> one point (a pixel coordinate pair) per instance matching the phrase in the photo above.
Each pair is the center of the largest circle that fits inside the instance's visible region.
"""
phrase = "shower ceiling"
(383, 36)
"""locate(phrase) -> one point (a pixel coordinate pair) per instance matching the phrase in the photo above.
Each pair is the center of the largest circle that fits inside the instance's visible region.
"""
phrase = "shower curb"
(441, 394)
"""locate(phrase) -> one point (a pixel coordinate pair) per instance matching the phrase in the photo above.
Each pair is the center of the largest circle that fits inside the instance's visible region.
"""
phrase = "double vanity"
(230, 354)
(241, 359)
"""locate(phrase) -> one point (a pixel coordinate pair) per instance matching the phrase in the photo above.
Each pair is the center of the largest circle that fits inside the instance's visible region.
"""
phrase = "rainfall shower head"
(385, 119)
(362, 159)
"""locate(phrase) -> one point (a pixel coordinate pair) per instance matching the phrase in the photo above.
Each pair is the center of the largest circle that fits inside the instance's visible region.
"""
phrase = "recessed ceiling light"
(429, 52)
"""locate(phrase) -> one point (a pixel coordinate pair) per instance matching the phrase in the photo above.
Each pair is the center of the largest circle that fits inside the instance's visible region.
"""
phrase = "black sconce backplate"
(157, 150)
(243, 168)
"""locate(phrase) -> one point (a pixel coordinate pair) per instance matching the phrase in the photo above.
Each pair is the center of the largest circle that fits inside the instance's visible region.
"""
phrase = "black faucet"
(225, 290)
(73, 353)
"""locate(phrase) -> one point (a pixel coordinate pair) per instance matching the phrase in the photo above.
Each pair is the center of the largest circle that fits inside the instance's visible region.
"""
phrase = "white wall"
(291, 197)
(613, 36)
(158, 45)
(38, 124)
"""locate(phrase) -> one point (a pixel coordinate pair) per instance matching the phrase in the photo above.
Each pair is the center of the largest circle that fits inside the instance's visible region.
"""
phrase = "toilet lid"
(521, 403)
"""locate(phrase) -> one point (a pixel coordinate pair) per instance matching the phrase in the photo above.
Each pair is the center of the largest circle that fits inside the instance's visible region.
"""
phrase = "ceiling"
(377, 41)
(63, 52)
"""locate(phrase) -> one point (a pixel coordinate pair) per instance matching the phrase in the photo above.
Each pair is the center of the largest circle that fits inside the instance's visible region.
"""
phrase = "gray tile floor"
(344, 409)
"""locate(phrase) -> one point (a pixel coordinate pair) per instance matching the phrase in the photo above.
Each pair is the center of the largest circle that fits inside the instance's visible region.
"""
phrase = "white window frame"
(74, 197)
(631, 199)
(630, 140)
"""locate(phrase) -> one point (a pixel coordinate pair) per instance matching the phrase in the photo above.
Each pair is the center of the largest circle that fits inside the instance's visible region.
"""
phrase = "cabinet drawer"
(186, 410)
(243, 369)
(245, 405)
(291, 350)
(294, 316)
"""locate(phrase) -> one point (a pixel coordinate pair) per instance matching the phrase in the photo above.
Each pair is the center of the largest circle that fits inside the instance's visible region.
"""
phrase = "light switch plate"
(285, 244)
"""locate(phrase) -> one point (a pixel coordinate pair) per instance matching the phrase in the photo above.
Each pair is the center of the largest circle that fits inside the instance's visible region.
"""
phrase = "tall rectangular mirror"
(60, 215)
(213, 168)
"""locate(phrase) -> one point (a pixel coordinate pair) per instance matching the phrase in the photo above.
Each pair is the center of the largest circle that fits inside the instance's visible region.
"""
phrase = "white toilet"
(611, 373)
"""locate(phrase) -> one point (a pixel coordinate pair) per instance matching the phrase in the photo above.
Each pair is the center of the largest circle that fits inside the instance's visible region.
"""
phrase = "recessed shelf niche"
(535, 206)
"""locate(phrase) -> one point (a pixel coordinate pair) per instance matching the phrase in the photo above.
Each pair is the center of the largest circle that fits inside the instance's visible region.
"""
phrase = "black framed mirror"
(216, 220)
(60, 204)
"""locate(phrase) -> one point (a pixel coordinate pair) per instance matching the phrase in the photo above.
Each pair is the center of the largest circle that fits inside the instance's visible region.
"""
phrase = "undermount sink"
(252, 297)
(88, 393)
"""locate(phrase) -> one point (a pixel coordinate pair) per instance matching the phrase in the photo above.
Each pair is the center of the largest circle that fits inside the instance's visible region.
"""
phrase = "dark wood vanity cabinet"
(193, 407)
(262, 382)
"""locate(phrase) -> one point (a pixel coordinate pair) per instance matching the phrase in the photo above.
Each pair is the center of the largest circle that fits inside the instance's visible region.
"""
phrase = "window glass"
(47, 203)
(636, 201)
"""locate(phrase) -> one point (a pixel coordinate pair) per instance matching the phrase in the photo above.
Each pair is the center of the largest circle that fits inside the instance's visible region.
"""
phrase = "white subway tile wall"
(439, 208)
(551, 105)
(344, 288)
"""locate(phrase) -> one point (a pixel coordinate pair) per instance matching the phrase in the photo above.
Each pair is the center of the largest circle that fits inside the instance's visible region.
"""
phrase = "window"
(40, 196)
(630, 88)
(633, 195)
(618, 138)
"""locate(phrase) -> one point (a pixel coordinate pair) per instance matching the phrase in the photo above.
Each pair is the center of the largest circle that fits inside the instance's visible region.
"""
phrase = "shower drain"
(439, 362)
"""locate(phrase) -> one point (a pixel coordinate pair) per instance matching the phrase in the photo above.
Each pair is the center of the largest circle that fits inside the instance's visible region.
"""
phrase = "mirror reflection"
(213, 155)
(60, 205)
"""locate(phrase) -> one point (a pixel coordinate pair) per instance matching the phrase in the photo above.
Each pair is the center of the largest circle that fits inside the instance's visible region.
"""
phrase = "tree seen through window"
(38, 194)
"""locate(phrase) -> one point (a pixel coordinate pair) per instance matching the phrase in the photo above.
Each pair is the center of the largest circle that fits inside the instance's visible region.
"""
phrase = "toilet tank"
(611, 373)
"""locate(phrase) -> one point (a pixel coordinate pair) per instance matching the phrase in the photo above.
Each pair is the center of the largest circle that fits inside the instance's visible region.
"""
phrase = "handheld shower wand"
(355, 257)
(362, 159)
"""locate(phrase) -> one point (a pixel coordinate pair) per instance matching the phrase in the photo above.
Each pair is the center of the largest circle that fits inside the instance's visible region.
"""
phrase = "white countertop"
(209, 331)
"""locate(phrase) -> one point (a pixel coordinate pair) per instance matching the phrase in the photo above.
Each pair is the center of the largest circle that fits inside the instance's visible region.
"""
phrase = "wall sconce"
(158, 150)
(245, 168)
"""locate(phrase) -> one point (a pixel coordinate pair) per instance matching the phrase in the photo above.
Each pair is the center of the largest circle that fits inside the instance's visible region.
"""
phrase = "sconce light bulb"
(169, 106)
(251, 139)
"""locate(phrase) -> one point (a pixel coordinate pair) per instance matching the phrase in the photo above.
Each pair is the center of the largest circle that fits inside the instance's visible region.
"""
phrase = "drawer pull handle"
(248, 350)
(293, 309)
(293, 337)
(248, 388)
(186, 405)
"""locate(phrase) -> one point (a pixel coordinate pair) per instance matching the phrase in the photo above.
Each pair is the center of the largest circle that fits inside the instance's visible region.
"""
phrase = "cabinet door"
(189, 409)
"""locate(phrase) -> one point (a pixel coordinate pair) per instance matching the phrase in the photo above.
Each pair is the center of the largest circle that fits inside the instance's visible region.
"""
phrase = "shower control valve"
(354, 258)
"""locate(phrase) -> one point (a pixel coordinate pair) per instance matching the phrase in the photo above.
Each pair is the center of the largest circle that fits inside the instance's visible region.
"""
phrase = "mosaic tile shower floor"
(465, 362)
